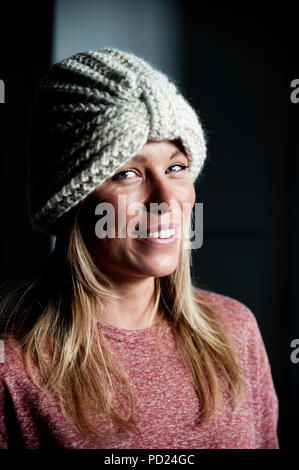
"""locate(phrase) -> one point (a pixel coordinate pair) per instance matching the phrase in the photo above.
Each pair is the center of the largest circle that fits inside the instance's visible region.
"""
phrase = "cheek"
(125, 209)
(88, 219)
(189, 195)
(132, 216)
(187, 199)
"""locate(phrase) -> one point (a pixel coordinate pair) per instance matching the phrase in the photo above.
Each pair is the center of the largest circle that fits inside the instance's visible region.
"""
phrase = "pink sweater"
(167, 402)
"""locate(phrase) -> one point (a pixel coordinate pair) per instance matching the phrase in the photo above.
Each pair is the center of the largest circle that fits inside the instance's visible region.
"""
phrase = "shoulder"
(230, 309)
(240, 323)
(233, 314)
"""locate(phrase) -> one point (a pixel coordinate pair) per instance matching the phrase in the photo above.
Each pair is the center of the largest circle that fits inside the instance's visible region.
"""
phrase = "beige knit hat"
(93, 112)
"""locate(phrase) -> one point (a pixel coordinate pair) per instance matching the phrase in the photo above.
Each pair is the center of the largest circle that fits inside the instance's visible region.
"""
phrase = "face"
(158, 174)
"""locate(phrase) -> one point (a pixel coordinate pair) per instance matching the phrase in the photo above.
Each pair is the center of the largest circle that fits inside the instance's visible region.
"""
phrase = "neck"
(135, 310)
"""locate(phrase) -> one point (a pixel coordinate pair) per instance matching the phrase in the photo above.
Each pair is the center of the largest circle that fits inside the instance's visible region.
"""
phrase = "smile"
(155, 239)
(161, 234)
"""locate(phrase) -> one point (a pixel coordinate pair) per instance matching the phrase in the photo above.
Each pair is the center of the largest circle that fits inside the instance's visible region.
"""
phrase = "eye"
(122, 175)
(183, 167)
(119, 175)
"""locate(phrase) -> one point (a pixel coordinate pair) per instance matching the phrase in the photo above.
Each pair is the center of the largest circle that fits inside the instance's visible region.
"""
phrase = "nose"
(161, 192)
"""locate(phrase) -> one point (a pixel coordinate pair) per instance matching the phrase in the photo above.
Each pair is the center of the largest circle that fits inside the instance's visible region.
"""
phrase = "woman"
(112, 345)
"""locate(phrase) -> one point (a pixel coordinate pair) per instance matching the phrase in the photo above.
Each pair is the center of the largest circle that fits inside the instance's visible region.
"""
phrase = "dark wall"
(25, 51)
(238, 65)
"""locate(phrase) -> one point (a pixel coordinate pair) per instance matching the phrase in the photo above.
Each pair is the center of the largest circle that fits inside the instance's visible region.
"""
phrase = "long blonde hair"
(53, 317)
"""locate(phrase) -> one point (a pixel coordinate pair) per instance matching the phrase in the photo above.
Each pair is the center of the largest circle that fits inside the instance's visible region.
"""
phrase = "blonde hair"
(54, 319)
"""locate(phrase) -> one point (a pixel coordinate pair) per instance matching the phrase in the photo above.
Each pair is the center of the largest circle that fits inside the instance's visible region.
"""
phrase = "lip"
(159, 241)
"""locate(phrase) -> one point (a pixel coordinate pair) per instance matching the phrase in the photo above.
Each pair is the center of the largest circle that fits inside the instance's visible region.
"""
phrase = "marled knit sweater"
(167, 406)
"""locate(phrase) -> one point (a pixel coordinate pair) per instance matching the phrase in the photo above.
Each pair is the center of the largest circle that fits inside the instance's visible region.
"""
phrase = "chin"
(161, 271)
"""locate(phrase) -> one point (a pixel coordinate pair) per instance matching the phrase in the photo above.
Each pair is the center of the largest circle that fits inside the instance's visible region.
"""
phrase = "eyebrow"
(143, 159)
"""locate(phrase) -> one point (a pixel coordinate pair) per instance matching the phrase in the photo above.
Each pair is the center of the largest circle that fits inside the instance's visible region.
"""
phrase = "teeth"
(162, 234)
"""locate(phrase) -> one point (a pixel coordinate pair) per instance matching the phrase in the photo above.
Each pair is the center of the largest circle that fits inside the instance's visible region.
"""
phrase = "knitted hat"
(93, 112)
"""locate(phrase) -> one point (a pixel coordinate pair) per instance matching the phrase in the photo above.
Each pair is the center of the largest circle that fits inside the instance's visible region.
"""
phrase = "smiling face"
(158, 174)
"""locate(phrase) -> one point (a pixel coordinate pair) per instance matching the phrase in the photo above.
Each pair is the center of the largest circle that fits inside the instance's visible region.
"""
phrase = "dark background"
(237, 65)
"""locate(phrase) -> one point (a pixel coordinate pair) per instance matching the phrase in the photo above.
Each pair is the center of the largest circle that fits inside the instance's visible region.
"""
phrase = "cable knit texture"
(93, 112)
(167, 403)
